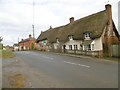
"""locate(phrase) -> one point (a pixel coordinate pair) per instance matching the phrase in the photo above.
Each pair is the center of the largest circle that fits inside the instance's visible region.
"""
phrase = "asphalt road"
(71, 71)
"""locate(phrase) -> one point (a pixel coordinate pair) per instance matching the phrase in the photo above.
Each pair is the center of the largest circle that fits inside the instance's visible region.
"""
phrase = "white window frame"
(87, 35)
(57, 40)
(92, 46)
(87, 47)
(71, 37)
(44, 42)
(70, 47)
(75, 47)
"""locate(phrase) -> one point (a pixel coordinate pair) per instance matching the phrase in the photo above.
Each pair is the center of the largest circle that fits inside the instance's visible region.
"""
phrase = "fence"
(86, 53)
(116, 50)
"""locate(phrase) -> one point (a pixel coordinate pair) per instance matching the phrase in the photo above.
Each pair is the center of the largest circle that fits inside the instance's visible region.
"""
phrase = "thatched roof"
(94, 24)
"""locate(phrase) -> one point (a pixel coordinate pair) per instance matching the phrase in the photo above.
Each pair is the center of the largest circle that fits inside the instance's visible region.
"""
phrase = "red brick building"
(27, 44)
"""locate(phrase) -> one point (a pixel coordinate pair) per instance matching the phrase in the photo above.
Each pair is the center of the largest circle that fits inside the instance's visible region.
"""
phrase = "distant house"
(27, 44)
(9, 48)
(15, 46)
(92, 35)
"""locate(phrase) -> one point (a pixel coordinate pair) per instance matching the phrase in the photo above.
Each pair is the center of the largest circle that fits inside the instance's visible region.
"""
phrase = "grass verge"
(6, 54)
(17, 81)
(112, 58)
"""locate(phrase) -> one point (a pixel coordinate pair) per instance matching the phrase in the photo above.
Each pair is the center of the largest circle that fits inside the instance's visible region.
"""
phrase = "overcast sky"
(16, 16)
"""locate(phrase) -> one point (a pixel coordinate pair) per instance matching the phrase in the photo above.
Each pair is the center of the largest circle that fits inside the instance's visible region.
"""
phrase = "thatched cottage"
(92, 35)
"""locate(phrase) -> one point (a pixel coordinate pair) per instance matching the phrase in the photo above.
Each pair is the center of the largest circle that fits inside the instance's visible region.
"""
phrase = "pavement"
(51, 70)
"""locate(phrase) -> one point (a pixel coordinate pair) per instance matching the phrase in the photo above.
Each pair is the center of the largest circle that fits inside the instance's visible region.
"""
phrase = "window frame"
(57, 40)
(87, 47)
(87, 35)
(70, 47)
(75, 47)
(70, 37)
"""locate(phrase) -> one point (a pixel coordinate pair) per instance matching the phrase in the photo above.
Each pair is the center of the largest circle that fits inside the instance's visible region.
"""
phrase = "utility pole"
(33, 30)
(33, 20)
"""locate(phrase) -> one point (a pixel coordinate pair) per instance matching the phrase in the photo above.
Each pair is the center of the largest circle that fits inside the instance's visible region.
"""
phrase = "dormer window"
(70, 37)
(44, 42)
(87, 36)
(57, 40)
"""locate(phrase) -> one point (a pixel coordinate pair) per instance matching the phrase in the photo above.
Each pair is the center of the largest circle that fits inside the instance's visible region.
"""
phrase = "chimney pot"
(108, 6)
(30, 36)
(41, 31)
(50, 27)
(71, 19)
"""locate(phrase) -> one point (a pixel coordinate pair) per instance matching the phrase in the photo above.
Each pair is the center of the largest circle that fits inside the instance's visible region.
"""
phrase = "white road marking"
(47, 57)
(84, 65)
(77, 64)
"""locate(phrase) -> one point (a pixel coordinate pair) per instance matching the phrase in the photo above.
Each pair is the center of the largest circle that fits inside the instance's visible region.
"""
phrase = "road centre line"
(47, 57)
(43, 56)
(77, 64)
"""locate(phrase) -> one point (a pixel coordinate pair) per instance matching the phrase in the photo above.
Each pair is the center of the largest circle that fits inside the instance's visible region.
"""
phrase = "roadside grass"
(17, 81)
(112, 58)
(6, 54)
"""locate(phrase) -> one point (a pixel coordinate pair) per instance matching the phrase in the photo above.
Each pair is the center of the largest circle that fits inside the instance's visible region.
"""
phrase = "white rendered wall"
(97, 44)
(56, 45)
(73, 42)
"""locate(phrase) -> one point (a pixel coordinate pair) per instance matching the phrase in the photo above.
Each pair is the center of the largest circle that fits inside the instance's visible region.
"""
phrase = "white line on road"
(77, 64)
(47, 57)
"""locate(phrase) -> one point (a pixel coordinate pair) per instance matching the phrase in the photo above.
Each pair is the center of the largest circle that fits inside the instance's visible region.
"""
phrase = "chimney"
(71, 19)
(41, 32)
(109, 16)
(50, 27)
(108, 8)
(30, 36)
(109, 39)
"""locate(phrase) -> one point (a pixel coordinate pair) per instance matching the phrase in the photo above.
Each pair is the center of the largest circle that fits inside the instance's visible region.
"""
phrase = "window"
(92, 47)
(75, 47)
(87, 47)
(57, 40)
(81, 47)
(44, 42)
(87, 35)
(70, 37)
(70, 47)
